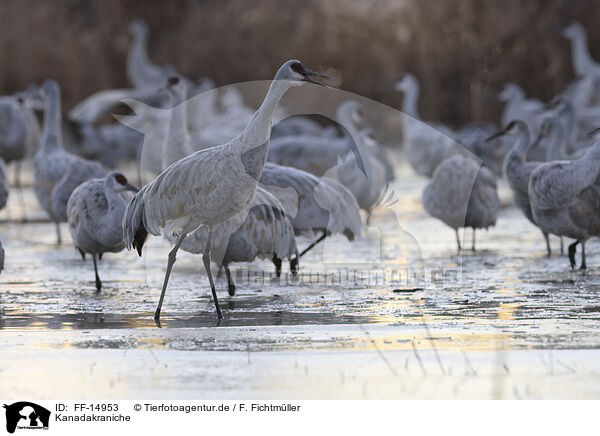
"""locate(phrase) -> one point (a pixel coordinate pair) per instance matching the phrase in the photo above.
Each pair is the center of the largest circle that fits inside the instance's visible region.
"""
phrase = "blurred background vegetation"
(462, 51)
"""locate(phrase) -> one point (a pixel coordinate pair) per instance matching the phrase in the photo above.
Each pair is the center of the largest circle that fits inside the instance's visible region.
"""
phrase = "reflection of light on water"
(444, 340)
(506, 311)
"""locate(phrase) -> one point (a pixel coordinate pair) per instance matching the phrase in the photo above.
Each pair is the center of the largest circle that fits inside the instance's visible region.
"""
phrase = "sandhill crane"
(58, 173)
(337, 212)
(314, 205)
(262, 231)
(583, 64)
(462, 194)
(141, 71)
(13, 130)
(565, 199)
(209, 186)
(95, 213)
(518, 171)
(425, 144)
(19, 133)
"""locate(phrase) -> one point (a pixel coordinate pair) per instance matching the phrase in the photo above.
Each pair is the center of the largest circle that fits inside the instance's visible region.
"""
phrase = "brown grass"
(461, 50)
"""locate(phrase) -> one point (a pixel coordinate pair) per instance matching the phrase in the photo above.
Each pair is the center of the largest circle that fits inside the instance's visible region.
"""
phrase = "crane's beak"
(130, 187)
(495, 135)
(594, 131)
(308, 74)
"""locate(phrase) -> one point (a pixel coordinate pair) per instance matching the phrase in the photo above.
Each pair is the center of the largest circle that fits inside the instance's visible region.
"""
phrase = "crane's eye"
(121, 179)
(173, 80)
(297, 67)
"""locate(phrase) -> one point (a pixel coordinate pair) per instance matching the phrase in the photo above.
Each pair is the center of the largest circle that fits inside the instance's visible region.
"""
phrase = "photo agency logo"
(25, 415)
(333, 188)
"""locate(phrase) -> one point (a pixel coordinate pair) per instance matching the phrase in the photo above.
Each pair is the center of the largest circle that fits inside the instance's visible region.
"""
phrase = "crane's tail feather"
(134, 231)
(139, 239)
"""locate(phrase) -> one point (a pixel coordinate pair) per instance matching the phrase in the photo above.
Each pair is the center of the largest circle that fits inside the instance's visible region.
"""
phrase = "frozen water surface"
(503, 322)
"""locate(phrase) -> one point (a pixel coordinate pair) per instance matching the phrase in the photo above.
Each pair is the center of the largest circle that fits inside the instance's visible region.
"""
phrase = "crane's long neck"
(51, 133)
(580, 54)
(252, 144)
(116, 207)
(138, 54)
(516, 156)
(178, 143)
(516, 98)
(258, 130)
(411, 99)
(33, 126)
(586, 169)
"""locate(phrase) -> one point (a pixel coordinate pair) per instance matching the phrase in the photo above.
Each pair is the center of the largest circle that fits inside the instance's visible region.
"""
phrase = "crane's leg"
(323, 236)
(277, 262)
(572, 250)
(171, 261)
(20, 191)
(473, 246)
(98, 282)
(547, 238)
(458, 241)
(58, 238)
(583, 265)
(562, 246)
(206, 260)
(230, 284)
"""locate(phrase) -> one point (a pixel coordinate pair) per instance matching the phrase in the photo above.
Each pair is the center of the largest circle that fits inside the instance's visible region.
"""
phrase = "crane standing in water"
(209, 186)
